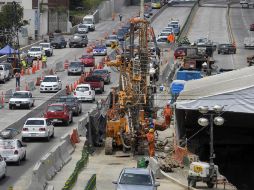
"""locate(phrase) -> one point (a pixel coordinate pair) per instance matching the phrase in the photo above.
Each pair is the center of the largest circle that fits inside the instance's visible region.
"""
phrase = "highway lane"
(240, 22)
(35, 150)
(210, 22)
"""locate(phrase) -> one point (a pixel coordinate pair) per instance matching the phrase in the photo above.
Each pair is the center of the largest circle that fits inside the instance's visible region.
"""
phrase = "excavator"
(132, 100)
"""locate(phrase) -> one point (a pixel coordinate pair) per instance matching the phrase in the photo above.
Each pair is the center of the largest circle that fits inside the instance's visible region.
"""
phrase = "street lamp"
(211, 117)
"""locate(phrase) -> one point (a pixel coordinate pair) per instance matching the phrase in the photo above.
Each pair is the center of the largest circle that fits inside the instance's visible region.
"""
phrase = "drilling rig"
(133, 98)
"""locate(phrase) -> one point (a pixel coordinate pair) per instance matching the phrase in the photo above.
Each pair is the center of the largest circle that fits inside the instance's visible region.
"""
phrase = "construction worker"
(23, 63)
(158, 52)
(29, 61)
(167, 114)
(151, 142)
(120, 17)
(17, 76)
(171, 38)
(44, 61)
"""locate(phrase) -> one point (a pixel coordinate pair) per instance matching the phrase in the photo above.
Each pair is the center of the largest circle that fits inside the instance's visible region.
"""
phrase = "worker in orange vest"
(151, 142)
(167, 114)
(171, 38)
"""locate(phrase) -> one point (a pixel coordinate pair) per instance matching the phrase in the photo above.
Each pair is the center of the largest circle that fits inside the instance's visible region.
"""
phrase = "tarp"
(7, 50)
(177, 86)
(234, 90)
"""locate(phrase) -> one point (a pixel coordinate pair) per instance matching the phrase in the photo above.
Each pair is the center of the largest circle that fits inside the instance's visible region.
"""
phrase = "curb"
(176, 181)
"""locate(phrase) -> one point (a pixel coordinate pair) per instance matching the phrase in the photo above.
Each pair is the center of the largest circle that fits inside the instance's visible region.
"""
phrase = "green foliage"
(10, 18)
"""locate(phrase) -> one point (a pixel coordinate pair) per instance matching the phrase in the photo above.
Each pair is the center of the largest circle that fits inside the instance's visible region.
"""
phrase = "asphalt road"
(240, 21)
(35, 150)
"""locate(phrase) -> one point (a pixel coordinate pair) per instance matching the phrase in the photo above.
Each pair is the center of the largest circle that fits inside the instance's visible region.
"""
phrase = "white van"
(4, 73)
(89, 21)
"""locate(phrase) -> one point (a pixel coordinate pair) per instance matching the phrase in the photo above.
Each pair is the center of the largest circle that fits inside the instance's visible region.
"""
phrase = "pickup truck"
(246, 4)
(96, 83)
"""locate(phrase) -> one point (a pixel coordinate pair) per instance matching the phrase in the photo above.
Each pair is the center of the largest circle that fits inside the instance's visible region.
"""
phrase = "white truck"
(246, 4)
(36, 52)
(4, 73)
(248, 42)
(89, 21)
(48, 49)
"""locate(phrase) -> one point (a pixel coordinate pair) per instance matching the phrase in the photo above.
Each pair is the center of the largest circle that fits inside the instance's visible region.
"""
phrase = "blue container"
(188, 75)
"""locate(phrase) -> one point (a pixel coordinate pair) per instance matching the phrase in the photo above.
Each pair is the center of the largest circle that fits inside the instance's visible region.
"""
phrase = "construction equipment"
(133, 99)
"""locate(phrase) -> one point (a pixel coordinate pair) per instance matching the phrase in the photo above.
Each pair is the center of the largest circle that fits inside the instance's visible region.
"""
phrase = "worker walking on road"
(120, 17)
(151, 142)
(17, 76)
(23, 63)
(44, 61)
(167, 114)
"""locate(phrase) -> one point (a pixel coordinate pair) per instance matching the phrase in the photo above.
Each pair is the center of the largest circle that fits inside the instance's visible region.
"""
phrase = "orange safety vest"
(167, 111)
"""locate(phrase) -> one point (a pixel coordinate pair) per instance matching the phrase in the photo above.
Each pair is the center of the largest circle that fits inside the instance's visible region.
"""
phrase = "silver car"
(111, 39)
(136, 178)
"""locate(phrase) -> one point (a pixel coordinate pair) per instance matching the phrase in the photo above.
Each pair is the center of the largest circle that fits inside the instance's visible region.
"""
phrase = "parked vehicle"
(121, 34)
(37, 128)
(88, 60)
(84, 92)
(175, 27)
(51, 83)
(75, 67)
(89, 21)
(78, 41)
(58, 42)
(59, 113)
(248, 42)
(4, 73)
(252, 27)
(3, 167)
(12, 150)
(100, 50)
(36, 52)
(73, 103)
(82, 28)
(111, 39)
(156, 4)
(250, 60)
(226, 49)
(96, 82)
(21, 99)
(136, 178)
(162, 39)
(48, 49)
(103, 73)
(246, 3)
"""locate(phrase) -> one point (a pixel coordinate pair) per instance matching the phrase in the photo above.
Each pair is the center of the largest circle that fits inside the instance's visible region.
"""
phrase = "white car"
(48, 49)
(248, 42)
(84, 92)
(51, 83)
(162, 39)
(37, 128)
(12, 150)
(4, 73)
(168, 29)
(36, 52)
(21, 99)
(82, 28)
(3, 167)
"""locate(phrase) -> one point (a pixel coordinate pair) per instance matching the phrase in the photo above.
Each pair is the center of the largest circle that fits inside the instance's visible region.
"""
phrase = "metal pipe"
(142, 9)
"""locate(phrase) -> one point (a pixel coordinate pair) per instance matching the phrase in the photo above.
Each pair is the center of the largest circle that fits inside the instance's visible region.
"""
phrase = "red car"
(103, 73)
(88, 60)
(252, 27)
(180, 52)
(58, 113)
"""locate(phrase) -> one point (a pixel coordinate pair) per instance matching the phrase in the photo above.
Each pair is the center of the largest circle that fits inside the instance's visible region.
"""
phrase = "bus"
(156, 4)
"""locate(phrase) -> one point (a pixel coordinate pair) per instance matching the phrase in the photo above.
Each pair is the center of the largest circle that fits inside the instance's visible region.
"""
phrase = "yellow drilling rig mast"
(132, 99)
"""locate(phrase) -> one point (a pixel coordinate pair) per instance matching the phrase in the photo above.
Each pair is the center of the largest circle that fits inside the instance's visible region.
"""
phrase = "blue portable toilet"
(177, 86)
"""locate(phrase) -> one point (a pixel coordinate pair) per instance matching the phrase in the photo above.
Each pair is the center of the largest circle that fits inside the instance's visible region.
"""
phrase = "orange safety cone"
(33, 69)
(38, 81)
(26, 88)
(75, 85)
(77, 82)
(28, 71)
(74, 136)
(51, 72)
(22, 72)
(38, 66)
(71, 88)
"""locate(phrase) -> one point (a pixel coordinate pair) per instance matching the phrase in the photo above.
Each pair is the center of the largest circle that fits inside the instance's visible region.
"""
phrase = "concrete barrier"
(57, 159)
(82, 126)
(59, 66)
(64, 152)
(48, 164)
(38, 180)
(69, 146)
(7, 95)
(31, 85)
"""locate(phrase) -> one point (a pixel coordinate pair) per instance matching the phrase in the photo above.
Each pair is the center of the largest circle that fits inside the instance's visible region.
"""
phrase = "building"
(54, 15)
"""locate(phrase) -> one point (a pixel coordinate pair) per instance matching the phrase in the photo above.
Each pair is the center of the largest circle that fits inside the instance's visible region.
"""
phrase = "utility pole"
(142, 9)
(16, 32)
(39, 19)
